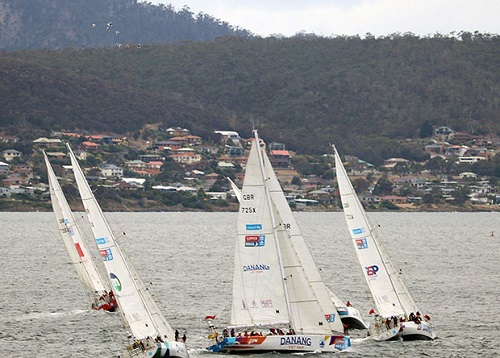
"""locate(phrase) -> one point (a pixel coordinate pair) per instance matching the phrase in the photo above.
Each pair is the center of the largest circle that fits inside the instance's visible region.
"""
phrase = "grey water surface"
(449, 260)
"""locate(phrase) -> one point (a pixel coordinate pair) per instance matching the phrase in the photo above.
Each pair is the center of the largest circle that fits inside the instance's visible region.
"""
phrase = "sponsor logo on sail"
(295, 340)
(371, 270)
(358, 231)
(101, 240)
(107, 254)
(256, 268)
(330, 317)
(254, 226)
(116, 282)
(255, 240)
(361, 243)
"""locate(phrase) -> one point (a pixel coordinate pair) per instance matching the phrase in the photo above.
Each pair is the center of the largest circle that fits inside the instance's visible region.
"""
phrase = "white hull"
(420, 331)
(168, 349)
(381, 334)
(351, 317)
(288, 343)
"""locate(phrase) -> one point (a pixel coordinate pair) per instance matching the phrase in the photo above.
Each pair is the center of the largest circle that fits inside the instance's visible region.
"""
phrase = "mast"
(275, 231)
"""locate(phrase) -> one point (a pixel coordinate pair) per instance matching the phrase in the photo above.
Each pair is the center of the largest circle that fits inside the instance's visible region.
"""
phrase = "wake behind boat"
(396, 313)
(153, 335)
(280, 302)
(102, 296)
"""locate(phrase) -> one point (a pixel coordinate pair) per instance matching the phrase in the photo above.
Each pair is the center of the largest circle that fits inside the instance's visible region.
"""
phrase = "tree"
(383, 186)
(426, 130)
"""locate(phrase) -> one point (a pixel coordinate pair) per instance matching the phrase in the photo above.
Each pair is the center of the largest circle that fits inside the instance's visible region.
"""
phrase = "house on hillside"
(10, 154)
(15, 179)
(276, 146)
(177, 132)
(111, 171)
(187, 157)
(234, 151)
(167, 145)
(4, 168)
(22, 168)
(9, 139)
(392, 163)
(47, 142)
(280, 158)
(231, 136)
(135, 165)
(90, 147)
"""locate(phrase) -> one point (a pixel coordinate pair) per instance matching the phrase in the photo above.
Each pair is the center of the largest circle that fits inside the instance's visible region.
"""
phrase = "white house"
(112, 171)
(10, 154)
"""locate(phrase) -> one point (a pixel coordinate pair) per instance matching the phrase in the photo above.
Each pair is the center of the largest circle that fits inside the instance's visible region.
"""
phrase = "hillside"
(307, 91)
(55, 24)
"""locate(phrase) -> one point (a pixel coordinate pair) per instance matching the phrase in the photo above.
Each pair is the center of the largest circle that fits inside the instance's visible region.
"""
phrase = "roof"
(283, 153)
(47, 140)
(90, 144)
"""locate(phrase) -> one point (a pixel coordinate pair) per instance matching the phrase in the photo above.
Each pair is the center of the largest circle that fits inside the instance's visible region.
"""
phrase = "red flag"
(372, 311)
(210, 317)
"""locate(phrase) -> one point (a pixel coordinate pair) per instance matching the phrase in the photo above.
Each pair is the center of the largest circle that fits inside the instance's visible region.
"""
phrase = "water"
(449, 260)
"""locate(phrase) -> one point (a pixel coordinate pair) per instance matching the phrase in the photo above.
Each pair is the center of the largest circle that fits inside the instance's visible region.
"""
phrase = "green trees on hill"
(364, 95)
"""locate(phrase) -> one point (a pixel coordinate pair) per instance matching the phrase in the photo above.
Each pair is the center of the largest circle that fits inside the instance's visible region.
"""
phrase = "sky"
(351, 17)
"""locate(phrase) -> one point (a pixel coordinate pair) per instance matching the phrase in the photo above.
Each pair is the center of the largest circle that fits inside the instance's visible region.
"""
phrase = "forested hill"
(55, 24)
(362, 94)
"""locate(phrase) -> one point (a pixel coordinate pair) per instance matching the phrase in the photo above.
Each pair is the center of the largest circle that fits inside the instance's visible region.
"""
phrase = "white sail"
(389, 292)
(72, 237)
(258, 288)
(275, 278)
(288, 217)
(135, 302)
(309, 296)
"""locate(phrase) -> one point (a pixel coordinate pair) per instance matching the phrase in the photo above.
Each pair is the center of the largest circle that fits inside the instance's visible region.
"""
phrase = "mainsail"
(309, 296)
(137, 306)
(389, 292)
(72, 237)
(275, 278)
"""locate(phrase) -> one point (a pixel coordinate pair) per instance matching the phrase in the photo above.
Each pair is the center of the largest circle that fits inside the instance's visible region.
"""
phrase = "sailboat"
(349, 315)
(103, 297)
(153, 335)
(397, 314)
(279, 300)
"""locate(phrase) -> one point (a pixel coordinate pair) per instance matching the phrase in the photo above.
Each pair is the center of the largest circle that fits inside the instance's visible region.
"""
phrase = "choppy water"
(450, 262)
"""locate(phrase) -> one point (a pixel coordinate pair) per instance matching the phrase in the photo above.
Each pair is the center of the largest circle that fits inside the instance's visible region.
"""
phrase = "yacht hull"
(288, 343)
(351, 317)
(417, 331)
(166, 349)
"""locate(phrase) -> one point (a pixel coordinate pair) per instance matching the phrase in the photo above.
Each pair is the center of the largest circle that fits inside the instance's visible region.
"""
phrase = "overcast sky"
(351, 17)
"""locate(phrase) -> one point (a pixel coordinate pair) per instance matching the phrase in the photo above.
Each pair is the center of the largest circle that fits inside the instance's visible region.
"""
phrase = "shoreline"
(233, 207)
